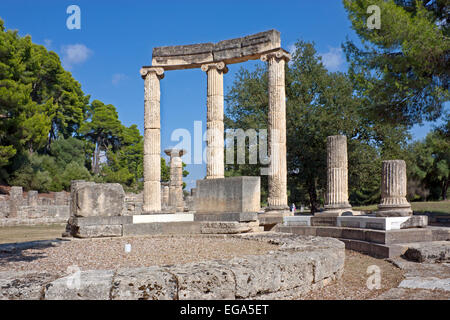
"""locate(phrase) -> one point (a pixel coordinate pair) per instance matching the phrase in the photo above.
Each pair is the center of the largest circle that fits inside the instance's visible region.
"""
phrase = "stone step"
(370, 235)
(154, 228)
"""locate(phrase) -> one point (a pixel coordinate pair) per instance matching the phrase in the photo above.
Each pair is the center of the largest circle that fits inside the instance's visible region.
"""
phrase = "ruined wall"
(33, 208)
(19, 208)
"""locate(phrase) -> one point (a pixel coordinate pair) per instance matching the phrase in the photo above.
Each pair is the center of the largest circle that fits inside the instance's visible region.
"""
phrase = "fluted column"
(393, 190)
(214, 122)
(152, 139)
(176, 179)
(336, 197)
(164, 196)
(277, 199)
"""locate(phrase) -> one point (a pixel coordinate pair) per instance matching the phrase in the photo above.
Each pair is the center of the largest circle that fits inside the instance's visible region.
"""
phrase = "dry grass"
(430, 206)
(30, 233)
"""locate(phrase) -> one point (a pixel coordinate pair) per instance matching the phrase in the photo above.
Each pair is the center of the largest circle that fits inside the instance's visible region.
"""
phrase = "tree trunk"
(445, 188)
(96, 157)
(312, 197)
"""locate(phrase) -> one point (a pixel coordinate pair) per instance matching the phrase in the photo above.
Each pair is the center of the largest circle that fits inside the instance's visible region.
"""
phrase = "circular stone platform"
(248, 266)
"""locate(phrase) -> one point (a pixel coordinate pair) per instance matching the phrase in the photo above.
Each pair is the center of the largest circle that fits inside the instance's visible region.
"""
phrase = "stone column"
(393, 190)
(32, 198)
(176, 179)
(165, 196)
(336, 197)
(152, 139)
(15, 201)
(277, 200)
(214, 122)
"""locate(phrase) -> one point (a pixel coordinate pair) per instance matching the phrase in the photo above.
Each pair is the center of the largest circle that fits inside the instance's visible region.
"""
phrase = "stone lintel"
(229, 51)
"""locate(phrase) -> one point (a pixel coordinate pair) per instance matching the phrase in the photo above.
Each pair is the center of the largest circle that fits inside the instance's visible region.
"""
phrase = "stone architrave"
(176, 179)
(214, 122)
(336, 197)
(277, 200)
(393, 190)
(152, 139)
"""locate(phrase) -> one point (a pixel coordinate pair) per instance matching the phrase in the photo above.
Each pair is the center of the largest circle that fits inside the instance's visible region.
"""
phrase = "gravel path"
(109, 253)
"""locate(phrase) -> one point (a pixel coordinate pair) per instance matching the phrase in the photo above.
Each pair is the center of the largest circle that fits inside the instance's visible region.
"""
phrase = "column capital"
(175, 152)
(278, 54)
(146, 70)
(221, 66)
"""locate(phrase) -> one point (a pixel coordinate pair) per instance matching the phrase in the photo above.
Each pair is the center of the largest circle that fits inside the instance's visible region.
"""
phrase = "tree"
(103, 129)
(431, 161)
(402, 72)
(319, 104)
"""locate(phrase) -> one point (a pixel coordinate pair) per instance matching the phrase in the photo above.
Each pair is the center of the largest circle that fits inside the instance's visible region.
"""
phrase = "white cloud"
(118, 77)
(74, 54)
(333, 59)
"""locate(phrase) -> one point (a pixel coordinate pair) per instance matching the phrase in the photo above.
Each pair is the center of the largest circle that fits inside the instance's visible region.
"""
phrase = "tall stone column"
(164, 196)
(393, 190)
(336, 197)
(277, 200)
(214, 123)
(176, 179)
(152, 139)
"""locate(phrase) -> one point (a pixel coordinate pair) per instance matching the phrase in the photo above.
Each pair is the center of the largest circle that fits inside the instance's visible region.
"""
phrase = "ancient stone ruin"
(213, 59)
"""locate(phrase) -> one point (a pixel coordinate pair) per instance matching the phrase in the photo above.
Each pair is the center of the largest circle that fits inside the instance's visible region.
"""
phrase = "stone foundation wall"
(300, 264)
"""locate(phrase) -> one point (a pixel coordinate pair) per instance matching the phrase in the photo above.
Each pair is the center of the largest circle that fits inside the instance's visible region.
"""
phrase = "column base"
(278, 210)
(394, 210)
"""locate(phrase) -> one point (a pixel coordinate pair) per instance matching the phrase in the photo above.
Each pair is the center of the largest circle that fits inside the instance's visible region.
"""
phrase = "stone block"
(230, 195)
(97, 199)
(101, 221)
(85, 285)
(32, 198)
(227, 216)
(98, 231)
(227, 227)
(434, 251)
(156, 228)
(150, 283)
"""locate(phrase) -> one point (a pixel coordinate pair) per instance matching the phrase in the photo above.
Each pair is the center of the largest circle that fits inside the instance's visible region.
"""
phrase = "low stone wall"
(299, 265)
(32, 208)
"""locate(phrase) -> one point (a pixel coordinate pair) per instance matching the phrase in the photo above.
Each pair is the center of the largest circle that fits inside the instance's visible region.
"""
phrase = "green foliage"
(402, 72)
(319, 104)
(430, 163)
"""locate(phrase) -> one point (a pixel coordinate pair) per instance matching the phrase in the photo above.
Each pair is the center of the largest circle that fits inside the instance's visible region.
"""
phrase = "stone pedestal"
(277, 200)
(15, 201)
(336, 197)
(214, 124)
(393, 190)
(152, 139)
(176, 179)
(32, 198)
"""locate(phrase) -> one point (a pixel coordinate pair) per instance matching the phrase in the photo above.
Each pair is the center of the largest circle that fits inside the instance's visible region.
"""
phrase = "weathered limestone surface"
(434, 251)
(165, 193)
(235, 194)
(230, 51)
(393, 190)
(299, 265)
(214, 121)
(97, 199)
(15, 201)
(336, 198)
(152, 139)
(176, 179)
(277, 200)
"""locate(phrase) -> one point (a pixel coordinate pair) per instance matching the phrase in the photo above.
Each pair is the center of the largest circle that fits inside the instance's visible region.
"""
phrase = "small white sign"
(128, 248)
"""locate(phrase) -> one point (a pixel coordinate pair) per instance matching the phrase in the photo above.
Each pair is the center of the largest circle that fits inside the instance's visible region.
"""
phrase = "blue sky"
(116, 38)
